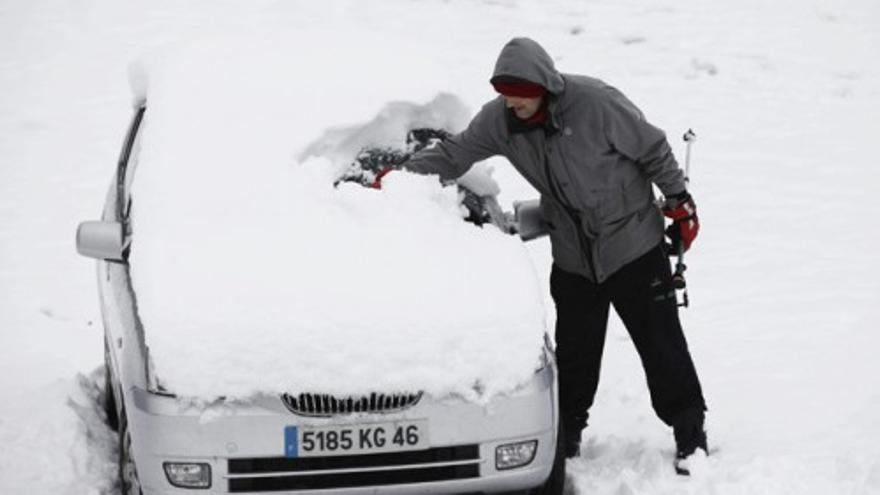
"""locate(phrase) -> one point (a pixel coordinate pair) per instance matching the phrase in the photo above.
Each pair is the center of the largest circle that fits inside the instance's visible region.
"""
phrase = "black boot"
(572, 444)
(689, 436)
(572, 428)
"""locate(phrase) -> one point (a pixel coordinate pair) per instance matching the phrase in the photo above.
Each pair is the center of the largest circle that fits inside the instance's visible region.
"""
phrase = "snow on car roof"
(254, 274)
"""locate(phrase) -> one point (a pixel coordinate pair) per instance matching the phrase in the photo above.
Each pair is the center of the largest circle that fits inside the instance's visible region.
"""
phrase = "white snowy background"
(784, 278)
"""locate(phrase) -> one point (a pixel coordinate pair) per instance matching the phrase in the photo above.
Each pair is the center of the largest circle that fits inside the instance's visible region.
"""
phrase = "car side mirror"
(530, 224)
(101, 240)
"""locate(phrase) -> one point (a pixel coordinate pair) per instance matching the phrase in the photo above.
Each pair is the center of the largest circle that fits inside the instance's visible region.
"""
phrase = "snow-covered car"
(301, 440)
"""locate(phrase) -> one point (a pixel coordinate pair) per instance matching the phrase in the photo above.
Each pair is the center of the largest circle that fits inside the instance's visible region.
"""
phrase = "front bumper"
(244, 445)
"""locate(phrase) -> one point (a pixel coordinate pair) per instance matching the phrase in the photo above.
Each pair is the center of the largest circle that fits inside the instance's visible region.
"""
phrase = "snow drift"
(254, 274)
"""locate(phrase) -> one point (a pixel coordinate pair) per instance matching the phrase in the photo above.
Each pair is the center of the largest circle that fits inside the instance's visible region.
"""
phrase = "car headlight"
(188, 474)
(514, 455)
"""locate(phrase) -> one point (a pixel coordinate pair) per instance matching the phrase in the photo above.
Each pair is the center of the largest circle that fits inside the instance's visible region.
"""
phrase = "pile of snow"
(254, 274)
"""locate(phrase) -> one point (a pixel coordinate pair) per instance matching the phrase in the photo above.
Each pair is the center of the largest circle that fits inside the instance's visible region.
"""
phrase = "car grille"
(328, 405)
(311, 473)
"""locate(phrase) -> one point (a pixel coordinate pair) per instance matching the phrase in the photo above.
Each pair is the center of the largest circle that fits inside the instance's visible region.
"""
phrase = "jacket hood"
(524, 58)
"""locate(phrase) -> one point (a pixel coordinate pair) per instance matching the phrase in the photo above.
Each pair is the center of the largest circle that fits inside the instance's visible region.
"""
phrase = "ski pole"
(678, 280)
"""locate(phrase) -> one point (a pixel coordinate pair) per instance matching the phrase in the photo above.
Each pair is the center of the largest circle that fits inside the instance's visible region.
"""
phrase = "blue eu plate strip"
(291, 442)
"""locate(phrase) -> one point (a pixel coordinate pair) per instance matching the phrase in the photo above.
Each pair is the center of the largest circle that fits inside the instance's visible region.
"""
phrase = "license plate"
(370, 438)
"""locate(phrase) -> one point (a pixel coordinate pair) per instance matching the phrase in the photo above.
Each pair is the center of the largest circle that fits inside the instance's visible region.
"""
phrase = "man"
(590, 153)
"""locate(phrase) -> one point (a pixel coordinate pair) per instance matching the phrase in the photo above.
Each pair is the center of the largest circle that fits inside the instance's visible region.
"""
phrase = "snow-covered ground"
(784, 279)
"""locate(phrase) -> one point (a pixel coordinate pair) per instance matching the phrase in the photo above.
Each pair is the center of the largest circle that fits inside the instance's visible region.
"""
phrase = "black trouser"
(643, 297)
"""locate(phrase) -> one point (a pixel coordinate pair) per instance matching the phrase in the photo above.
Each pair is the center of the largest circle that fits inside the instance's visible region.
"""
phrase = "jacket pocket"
(619, 204)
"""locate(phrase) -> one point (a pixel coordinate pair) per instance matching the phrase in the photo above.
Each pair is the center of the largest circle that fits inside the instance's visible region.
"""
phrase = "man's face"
(523, 107)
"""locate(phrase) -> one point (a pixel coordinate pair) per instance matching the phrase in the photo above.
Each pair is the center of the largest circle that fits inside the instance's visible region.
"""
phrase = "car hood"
(255, 274)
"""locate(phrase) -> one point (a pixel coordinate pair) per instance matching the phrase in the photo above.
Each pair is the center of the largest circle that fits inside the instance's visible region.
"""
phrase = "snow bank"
(56, 440)
(255, 274)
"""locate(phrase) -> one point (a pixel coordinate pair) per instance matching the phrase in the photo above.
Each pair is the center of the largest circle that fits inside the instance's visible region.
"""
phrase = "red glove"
(685, 224)
(377, 182)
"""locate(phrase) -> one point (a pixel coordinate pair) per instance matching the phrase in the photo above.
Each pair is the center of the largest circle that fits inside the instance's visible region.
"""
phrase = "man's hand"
(685, 224)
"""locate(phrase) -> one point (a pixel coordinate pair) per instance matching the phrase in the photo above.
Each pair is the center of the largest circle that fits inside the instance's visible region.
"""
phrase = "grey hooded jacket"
(593, 163)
